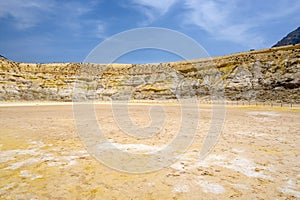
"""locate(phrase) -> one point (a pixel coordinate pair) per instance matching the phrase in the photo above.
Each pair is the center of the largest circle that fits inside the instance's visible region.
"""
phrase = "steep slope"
(264, 75)
(291, 39)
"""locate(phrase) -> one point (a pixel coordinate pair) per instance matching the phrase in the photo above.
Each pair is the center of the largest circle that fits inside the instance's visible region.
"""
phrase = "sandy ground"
(256, 157)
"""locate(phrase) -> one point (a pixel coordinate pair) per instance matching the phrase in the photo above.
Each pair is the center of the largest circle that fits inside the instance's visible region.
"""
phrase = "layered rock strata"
(264, 75)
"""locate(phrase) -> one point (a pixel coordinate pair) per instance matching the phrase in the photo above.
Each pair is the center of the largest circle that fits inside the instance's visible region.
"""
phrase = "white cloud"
(66, 15)
(161, 6)
(100, 30)
(25, 13)
(236, 20)
(206, 14)
(153, 9)
(217, 18)
(279, 9)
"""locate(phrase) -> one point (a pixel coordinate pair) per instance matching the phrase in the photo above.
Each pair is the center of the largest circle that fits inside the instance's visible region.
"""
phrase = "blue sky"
(67, 30)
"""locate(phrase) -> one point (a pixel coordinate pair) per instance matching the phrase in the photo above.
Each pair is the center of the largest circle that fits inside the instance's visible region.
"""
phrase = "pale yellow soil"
(256, 157)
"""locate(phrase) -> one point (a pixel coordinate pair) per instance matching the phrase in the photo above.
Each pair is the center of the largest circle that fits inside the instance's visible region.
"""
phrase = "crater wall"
(264, 75)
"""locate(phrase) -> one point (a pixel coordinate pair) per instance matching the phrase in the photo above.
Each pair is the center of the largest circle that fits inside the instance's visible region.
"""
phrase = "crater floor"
(256, 157)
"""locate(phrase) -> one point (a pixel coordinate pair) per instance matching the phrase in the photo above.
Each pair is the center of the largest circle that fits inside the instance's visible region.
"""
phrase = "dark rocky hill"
(3, 58)
(291, 39)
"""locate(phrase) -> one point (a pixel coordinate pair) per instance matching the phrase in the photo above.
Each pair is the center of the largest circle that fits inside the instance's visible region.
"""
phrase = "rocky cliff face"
(291, 39)
(265, 75)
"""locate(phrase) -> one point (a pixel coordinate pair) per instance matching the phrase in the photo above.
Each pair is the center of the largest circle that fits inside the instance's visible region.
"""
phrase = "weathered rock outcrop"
(265, 75)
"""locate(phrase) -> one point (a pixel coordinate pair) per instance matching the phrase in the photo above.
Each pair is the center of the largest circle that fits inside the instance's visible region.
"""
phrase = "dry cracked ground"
(256, 157)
